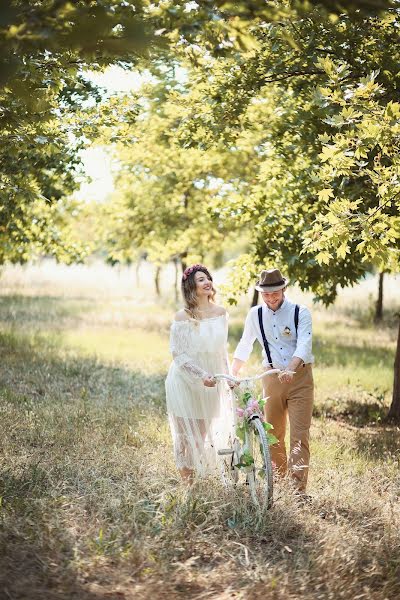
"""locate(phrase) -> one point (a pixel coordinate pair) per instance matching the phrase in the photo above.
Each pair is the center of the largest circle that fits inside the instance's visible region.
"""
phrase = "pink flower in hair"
(190, 270)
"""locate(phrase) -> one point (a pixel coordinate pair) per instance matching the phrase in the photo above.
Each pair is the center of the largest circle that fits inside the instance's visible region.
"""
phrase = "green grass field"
(91, 504)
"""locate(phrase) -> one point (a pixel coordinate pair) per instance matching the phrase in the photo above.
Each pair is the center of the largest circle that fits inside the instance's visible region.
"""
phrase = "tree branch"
(284, 76)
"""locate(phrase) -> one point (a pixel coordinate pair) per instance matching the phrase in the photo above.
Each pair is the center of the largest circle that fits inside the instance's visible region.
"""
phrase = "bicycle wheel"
(260, 476)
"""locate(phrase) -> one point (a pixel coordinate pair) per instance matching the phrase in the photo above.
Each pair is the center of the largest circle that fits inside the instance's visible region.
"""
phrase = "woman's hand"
(232, 384)
(209, 381)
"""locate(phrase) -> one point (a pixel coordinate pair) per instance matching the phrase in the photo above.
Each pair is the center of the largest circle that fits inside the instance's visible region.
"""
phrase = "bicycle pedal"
(225, 452)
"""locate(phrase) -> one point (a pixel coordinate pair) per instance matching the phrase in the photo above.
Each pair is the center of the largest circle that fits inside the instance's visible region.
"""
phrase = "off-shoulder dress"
(201, 418)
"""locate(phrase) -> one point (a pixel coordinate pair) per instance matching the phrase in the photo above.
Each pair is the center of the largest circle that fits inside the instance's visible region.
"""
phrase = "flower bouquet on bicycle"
(249, 452)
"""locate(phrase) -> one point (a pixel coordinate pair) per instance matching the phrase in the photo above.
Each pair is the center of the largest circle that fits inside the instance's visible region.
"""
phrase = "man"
(284, 331)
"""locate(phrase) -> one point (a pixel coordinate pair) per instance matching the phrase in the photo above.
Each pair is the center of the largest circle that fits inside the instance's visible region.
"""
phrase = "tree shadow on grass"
(37, 556)
(55, 313)
(345, 355)
(52, 401)
(35, 368)
(379, 443)
(368, 410)
(364, 316)
(375, 439)
(287, 549)
(43, 311)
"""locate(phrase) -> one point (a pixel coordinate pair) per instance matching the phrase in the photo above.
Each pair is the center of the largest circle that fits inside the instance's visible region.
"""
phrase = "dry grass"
(91, 504)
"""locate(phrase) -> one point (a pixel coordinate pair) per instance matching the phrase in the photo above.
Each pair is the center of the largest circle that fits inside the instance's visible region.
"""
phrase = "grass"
(91, 504)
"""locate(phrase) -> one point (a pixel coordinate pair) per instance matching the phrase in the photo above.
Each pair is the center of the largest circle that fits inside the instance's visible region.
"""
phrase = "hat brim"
(272, 288)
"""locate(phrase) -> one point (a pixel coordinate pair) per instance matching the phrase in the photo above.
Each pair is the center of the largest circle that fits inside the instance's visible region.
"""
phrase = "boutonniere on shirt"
(287, 331)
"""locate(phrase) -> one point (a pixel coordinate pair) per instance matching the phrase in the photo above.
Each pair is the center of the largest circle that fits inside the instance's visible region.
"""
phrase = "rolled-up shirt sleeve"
(245, 346)
(304, 336)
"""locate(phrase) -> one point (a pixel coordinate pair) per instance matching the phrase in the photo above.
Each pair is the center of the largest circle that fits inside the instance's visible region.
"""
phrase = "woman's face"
(203, 284)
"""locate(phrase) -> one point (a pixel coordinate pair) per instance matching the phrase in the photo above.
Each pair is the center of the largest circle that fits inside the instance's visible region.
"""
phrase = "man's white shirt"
(280, 332)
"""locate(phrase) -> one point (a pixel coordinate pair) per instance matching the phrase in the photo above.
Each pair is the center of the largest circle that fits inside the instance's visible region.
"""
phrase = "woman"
(200, 411)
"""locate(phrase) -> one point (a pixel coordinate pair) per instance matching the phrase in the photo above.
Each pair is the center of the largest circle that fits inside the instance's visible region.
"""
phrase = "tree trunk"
(254, 302)
(394, 410)
(176, 264)
(183, 261)
(379, 302)
(157, 281)
(139, 260)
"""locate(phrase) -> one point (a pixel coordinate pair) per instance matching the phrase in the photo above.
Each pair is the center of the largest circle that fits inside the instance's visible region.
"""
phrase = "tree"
(43, 48)
(165, 190)
(360, 168)
(321, 124)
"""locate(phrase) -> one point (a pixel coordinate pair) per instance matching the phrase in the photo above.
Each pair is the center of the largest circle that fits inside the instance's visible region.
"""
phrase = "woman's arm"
(180, 349)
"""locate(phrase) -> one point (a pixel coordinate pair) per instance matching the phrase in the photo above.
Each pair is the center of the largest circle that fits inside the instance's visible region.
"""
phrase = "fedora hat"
(271, 280)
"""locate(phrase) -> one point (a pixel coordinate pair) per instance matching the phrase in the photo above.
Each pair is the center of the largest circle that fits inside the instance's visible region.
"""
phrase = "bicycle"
(249, 451)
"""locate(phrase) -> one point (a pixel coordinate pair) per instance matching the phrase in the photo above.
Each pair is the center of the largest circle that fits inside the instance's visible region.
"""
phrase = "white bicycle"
(249, 450)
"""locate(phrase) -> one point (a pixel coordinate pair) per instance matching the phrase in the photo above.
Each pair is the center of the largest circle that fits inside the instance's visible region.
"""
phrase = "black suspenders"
(265, 341)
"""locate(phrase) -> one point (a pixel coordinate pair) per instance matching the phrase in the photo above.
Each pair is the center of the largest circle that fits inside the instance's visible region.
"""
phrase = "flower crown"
(190, 270)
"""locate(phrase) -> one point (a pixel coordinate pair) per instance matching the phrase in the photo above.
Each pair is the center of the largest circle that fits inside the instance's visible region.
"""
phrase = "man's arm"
(304, 336)
(245, 346)
(236, 366)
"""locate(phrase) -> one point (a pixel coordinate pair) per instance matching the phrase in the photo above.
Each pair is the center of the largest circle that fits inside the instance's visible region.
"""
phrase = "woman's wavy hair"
(189, 288)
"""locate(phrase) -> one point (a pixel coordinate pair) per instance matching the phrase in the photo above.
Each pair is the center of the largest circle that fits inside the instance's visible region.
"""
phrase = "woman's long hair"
(189, 288)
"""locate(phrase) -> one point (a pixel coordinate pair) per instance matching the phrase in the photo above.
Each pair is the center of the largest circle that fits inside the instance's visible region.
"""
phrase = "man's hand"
(286, 377)
(209, 381)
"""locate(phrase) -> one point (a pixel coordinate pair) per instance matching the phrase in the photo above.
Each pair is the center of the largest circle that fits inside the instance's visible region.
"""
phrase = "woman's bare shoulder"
(182, 315)
(219, 310)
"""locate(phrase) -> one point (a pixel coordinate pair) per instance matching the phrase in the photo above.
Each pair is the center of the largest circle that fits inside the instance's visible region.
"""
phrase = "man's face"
(273, 299)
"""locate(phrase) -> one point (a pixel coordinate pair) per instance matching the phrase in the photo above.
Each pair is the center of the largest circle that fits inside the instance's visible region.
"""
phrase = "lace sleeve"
(180, 348)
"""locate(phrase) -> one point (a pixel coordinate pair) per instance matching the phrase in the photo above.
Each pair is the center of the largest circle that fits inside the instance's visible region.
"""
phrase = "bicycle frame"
(239, 380)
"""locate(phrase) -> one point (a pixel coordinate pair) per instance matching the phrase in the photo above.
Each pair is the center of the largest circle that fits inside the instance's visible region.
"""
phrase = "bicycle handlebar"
(246, 379)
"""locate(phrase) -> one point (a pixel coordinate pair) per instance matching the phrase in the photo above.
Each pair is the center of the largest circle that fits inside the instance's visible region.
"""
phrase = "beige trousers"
(294, 399)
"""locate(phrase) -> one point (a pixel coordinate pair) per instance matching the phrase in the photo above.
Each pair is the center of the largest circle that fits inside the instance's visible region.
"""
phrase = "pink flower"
(252, 406)
(240, 412)
(190, 270)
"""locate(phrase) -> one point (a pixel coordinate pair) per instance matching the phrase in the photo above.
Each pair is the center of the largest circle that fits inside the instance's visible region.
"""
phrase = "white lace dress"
(201, 418)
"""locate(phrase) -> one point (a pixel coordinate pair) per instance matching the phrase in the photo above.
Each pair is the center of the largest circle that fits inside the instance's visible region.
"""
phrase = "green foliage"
(311, 118)
(237, 145)
(246, 460)
(361, 163)
(44, 46)
(272, 439)
(243, 428)
(245, 397)
(165, 190)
